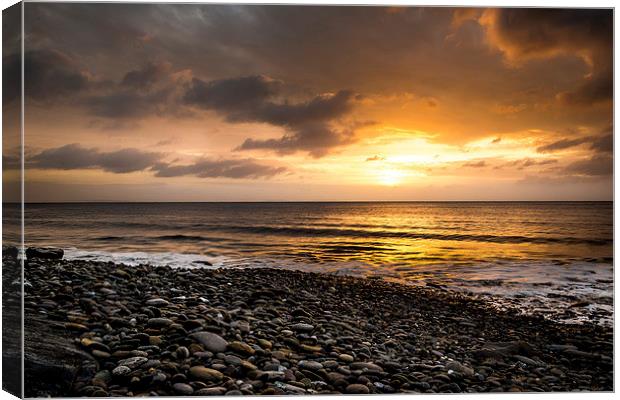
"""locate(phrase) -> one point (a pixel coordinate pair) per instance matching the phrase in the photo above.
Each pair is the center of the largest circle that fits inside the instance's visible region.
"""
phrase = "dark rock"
(357, 389)
(47, 253)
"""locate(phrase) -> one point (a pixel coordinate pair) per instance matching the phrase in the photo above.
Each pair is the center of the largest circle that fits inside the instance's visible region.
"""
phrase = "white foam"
(133, 258)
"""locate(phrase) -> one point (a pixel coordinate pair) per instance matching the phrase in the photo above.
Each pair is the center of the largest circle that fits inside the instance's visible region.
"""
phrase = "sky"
(182, 102)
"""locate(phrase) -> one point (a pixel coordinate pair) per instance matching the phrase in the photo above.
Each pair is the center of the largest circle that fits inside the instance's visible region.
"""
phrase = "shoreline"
(137, 331)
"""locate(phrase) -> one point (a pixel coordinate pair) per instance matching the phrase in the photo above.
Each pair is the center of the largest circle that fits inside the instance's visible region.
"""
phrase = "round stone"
(183, 388)
(210, 341)
(356, 388)
(206, 374)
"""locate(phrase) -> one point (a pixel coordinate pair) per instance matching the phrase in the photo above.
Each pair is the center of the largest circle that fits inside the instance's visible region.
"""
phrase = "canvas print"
(227, 199)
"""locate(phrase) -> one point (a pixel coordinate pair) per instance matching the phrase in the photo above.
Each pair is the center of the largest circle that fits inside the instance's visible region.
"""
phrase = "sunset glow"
(432, 103)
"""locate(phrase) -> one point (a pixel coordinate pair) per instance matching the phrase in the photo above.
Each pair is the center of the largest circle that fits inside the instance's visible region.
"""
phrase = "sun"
(391, 177)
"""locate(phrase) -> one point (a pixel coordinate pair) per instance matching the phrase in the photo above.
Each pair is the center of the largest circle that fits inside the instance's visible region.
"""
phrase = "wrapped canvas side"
(12, 178)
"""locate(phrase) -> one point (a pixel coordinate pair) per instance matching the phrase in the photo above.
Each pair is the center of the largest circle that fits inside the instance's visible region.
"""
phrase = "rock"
(310, 349)
(76, 327)
(52, 361)
(241, 347)
(206, 374)
(310, 365)
(159, 322)
(94, 345)
(214, 391)
(210, 341)
(133, 362)
(10, 251)
(357, 388)
(528, 361)
(100, 354)
(248, 365)
(265, 344)
(121, 371)
(156, 302)
(182, 352)
(183, 389)
(301, 327)
(155, 340)
(365, 365)
(346, 358)
(460, 368)
(48, 253)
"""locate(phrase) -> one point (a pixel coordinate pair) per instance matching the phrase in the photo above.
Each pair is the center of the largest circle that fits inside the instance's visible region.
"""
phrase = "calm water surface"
(546, 255)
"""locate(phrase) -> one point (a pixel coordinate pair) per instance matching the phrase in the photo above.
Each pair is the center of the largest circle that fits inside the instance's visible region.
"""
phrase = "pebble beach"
(114, 330)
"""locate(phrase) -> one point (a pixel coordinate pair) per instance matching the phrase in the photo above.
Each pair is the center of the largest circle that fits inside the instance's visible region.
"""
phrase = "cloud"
(236, 169)
(526, 34)
(50, 74)
(599, 144)
(127, 103)
(496, 140)
(146, 76)
(528, 162)
(251, 99)
(235, 97)
(475, 164)
(74, 156)
(562, 144)
(603, 144)
(602, 165)
(375, 158)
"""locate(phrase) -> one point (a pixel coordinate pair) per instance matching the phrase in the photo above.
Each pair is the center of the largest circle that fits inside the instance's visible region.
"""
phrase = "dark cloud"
(236, 169)
(127, 103)
(74, 156)
(248, 99)
(602, 165)
(496, 140)
(49, 74)
(599, 144)
(236, 97)
(251, 99)
(147, 75)
(562, 144)
(375, 158)
(527, 33)
(315, 138)
(603, 144)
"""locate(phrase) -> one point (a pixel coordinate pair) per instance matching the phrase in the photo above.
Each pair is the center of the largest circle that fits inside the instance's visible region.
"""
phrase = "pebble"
(206, 374)
(241, 347)
(210, 341)
(121, 371)
(183, 388)
(310, 365)
(133, 362)
(310, 334)
(301, 327)
(157, 303)
(159, 322)
(356, 388)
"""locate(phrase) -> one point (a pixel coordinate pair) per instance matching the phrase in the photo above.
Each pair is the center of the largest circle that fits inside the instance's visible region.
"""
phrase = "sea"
(549, 258)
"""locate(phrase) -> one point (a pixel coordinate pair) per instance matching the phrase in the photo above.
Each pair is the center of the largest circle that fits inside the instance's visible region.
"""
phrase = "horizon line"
(306, 201)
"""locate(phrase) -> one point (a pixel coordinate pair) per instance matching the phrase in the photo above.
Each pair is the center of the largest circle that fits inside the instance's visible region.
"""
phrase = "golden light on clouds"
(441, 104)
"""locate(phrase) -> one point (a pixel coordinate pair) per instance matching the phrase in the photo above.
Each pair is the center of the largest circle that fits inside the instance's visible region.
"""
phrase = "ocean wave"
(360, 233)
